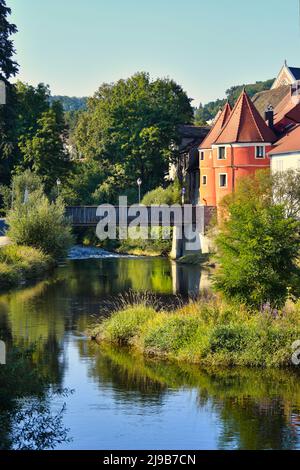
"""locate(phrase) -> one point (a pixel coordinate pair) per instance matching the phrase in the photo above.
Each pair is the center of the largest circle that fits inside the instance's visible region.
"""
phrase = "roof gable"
(245, 125)
(295, 72)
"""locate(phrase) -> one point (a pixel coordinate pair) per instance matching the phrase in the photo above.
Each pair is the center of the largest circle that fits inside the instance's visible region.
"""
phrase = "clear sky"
(205, 45)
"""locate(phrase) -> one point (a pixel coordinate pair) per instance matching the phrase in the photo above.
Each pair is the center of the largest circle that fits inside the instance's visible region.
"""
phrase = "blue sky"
(205, 45)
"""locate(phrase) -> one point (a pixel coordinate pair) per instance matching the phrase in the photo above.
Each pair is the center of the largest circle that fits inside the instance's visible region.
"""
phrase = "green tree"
(257, 245)
(8, 69)
(134, 123)
(32, 102)
(45, 153)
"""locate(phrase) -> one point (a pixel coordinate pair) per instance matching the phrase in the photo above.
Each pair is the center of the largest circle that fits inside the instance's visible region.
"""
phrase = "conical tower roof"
(245, 125)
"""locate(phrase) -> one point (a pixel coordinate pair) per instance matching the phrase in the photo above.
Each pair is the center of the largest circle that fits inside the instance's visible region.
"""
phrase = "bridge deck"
(86, 216)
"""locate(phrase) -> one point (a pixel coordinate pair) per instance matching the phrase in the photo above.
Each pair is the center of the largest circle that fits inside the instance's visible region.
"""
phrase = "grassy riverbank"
(22, 263)
(211, 333)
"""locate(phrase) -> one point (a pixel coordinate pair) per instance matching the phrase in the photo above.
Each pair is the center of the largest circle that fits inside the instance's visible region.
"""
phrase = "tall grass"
(208, 333)
(20, 263)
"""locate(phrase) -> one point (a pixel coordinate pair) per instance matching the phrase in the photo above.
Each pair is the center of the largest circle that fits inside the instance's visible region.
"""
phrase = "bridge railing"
(86, 216)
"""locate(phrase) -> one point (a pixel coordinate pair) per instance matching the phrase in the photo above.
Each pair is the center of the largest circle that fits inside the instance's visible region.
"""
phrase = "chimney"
(269, 116)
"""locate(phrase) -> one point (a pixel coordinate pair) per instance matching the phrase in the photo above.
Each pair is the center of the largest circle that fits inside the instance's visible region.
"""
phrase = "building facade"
(237, 146)
(256, 134)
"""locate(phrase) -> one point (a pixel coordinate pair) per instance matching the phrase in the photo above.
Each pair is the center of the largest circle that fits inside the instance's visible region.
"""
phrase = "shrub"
(8, 276)
(170, 195)
(207, 333)
(257, 246)
(172, 334)
(123, 326)
(40, 224)
(28, 261)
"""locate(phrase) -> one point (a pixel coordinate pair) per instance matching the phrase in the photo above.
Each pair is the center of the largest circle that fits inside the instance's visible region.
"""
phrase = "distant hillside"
(208, 111)
(71, 103)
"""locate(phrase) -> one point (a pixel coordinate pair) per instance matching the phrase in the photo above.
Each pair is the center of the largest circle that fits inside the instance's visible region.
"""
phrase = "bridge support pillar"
(189, 243)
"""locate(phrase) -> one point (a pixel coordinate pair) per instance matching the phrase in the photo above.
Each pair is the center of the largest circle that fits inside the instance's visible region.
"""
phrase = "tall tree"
(134, 123)
(8, 69)
(44, 152)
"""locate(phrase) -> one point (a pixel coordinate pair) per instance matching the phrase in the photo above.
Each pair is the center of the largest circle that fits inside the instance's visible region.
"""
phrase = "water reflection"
(256, 409)
(122, 400)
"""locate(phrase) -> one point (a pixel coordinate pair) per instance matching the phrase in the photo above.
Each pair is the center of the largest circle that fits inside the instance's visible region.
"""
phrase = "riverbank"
(19, 264)
(210, 333)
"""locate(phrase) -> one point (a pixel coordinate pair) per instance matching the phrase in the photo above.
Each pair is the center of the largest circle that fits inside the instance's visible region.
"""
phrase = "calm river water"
(93, 398)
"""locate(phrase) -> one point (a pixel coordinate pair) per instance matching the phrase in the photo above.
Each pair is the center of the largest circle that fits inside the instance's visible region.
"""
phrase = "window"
(222, 153)
(201, 155)
(223, 180)
(260, 151)
(204, 180)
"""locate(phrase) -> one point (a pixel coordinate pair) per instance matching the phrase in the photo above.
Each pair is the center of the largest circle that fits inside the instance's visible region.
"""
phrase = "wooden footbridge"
(90, 216)
(188, 222)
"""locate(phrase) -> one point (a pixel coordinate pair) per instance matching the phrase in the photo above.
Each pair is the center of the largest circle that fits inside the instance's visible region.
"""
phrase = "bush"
(170, 195)
(26, 181)
(31, 262)
(172, 334)
(40, 224)
(258, 246)
(19, 263)
(123, 326)
(8, 276)
(208, 333)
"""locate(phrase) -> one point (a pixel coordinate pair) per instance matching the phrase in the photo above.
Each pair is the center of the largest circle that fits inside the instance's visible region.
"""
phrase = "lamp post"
(58, 182)
(139, 183)
(2, 92)
(183, 196)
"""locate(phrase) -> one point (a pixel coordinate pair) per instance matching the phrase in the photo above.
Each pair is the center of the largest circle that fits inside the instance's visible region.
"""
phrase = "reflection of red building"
(237, 146)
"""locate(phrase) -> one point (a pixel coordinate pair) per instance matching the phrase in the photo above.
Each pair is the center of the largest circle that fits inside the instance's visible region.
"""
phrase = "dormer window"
(221, 153)
(260, 151)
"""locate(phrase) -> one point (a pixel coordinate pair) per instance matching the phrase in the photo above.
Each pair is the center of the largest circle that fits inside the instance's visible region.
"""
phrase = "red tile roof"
(221, 120)
(290, 142)
(288, 108)
(245, 125)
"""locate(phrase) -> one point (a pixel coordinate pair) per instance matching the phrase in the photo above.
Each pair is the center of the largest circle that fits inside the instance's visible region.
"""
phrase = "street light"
(2, 92)
(58, 182)
(139, 183)
(183, 196)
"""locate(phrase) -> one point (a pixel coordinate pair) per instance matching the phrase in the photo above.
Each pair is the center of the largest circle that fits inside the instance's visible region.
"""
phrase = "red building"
(237, 146)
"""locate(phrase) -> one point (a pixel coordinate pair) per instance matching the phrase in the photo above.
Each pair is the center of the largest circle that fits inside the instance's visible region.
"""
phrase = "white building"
(286, 152)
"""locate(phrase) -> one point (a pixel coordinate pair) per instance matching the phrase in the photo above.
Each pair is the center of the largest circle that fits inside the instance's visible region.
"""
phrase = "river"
(105, 398)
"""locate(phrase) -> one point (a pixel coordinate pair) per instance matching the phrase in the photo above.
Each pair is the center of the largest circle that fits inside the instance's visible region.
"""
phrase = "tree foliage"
(258, 245)
(8, 69)
(131, 128)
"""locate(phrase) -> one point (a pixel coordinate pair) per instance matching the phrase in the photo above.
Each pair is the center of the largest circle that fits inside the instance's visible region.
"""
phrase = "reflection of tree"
(254, 406)
(27, 422)
(123, 373)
